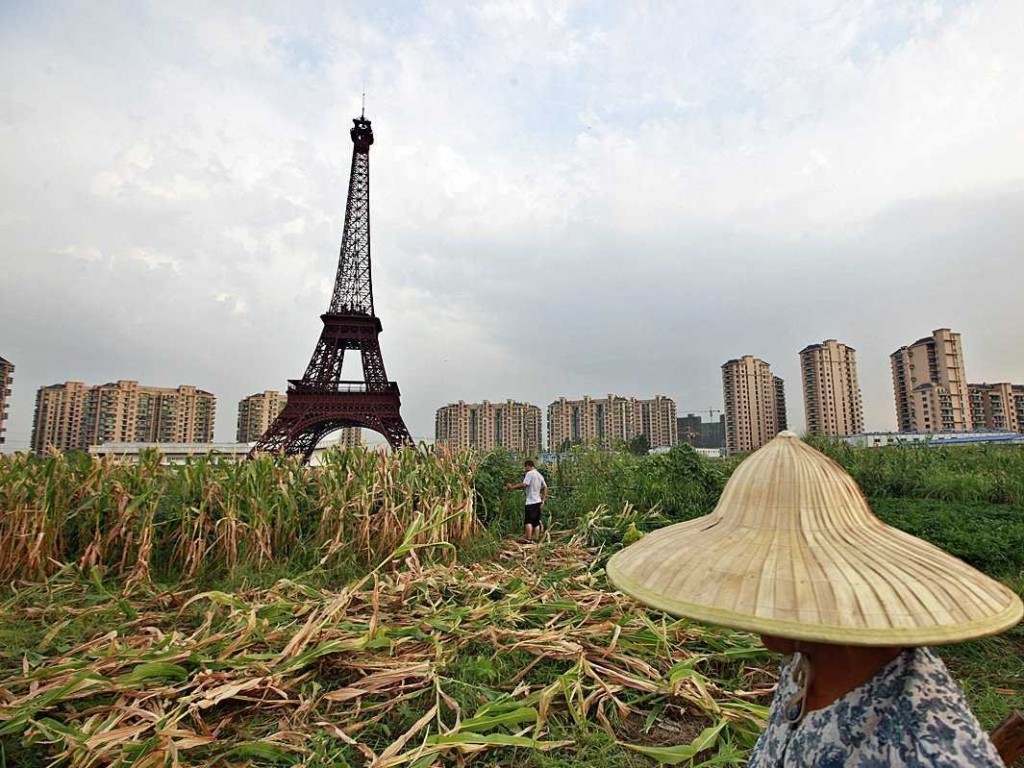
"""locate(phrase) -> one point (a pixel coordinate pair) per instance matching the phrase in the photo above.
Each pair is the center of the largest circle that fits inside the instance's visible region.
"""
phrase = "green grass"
(965, 473)
(988, 536)
(991, 670)
(591, 747)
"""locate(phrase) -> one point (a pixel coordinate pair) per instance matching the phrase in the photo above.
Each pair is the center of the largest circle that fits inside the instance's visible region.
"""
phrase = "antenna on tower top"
(364, 105)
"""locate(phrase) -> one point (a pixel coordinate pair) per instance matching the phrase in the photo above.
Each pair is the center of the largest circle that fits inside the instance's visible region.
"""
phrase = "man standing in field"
(536, 494)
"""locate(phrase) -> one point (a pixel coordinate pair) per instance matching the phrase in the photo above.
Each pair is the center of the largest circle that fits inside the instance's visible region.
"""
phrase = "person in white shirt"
(536, 494)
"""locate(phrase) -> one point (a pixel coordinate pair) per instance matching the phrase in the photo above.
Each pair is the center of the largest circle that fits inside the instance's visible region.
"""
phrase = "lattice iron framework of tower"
(321, 401)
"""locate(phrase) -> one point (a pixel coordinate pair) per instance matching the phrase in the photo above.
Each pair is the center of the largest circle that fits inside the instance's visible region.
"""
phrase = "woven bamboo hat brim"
(792, 550)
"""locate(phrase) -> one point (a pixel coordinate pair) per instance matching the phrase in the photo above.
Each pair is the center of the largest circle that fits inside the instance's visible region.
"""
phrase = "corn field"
(136, 522)
(430, 664)
(115, 651)
(131, 633)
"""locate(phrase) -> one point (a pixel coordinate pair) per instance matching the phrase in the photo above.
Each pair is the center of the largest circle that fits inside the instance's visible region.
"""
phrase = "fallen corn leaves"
(292, 674)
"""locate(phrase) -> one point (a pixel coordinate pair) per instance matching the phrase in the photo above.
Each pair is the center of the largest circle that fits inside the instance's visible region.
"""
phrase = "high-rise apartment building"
(59, 417)
(1018, 405)
(256, 412)
(930, 385)
(348, 437)
(781, 420)
(600, 420)
(997, 407)
(486, 426)
(612, 420)
(655, 419)
(6, 380)
(73, 416)
(755, 404)
(112, 413)
(832, 401)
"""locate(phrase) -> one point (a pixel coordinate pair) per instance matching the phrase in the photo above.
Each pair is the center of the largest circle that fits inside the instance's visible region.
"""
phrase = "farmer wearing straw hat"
(793, 552)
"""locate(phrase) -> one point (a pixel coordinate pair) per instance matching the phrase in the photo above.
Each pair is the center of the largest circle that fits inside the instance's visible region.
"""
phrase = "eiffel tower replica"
(321, 402)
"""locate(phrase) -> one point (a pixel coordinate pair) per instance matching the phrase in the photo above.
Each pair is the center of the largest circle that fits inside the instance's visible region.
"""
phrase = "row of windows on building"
(6, 380)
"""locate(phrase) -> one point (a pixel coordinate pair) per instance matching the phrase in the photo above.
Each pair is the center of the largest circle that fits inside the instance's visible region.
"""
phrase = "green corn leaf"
(483, 723)
(492, 740)
(157, 671)
(676, 755)
(261, 750)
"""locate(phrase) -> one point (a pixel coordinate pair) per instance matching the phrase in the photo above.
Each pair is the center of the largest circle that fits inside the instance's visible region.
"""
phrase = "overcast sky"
(567, 198)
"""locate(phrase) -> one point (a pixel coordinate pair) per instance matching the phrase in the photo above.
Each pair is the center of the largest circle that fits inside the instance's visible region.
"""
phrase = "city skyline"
(999, 386)
(676, 186)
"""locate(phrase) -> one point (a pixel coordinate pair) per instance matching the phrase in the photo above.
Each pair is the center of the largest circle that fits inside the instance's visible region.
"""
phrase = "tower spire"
(353, 284)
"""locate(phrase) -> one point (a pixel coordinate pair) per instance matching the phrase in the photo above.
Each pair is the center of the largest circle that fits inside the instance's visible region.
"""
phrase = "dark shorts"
(532, 516)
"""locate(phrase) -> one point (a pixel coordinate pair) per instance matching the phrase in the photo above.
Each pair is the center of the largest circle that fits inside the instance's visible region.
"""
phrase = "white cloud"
(154, 259)
(237, 303)
(566, 197)
(84, 253)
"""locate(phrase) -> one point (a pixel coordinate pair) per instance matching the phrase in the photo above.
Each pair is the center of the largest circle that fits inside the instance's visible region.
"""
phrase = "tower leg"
(311, 414)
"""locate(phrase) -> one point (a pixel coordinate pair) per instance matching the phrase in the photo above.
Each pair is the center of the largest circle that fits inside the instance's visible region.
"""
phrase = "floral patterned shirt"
(911, 713)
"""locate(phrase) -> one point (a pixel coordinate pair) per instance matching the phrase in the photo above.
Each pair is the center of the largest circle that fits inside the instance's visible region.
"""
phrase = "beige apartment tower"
(256, 412)
(755, 404)
(779, 386)
(611, 421)
(59, 417)
(930, 385)
(6, 380)
(656, 418)
(832, 401)
(349, 437)
(72, 416)
(346, 437)
(486, 426)
(997, 407)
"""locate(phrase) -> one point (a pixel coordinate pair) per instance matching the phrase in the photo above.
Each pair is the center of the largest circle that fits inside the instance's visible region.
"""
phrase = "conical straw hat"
(793, 550)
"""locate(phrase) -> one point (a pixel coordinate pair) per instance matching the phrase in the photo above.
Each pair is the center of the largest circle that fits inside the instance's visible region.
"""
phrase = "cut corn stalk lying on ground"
(416, 664)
